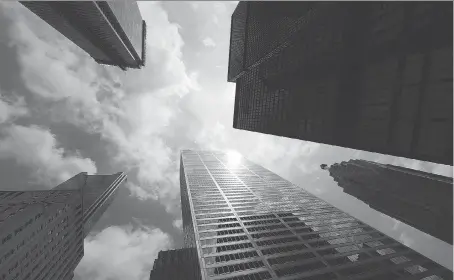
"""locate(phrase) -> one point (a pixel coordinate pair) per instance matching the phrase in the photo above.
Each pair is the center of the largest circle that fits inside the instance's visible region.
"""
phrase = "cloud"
(209, 42)
(122, 253)
(12, 108)
(37, 149)
(131, 110)
(178, 224)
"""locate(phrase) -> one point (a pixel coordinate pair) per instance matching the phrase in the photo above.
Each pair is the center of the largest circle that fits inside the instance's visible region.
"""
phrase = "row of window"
(215, 241)
(218, 226)
(220, 233)
(234, 267)
(253, 276)
(231, 257)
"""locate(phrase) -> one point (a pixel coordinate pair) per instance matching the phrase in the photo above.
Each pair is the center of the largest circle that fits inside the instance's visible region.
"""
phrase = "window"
(273, 221)
(300, 268)
(224, 248)
(271, 234)
(218, 226)
(265, 228)
(233, 268)
(415, 269)
(367, 267)
(277, 241)
(215, 241)
(291, 258)
(324, 276)
(231, 257)
(258, 275)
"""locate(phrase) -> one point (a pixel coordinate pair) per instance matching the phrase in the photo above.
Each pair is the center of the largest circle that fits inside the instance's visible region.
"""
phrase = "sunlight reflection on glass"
(233, 158)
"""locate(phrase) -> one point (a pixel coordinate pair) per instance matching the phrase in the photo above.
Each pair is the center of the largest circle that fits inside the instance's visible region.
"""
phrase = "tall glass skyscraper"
(112, 32)
(248, 223)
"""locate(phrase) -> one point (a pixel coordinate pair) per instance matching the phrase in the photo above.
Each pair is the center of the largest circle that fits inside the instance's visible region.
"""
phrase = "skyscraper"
(41, 234)
(98, 192)
(248, 223)
(112, 32)
(419, 199)
(373, 76)
(179, 264)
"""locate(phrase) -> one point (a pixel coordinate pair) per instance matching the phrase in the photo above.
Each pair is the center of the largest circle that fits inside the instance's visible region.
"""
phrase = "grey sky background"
(61, 113)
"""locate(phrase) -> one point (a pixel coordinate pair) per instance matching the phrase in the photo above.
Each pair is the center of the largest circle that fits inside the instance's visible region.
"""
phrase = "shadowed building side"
(419, 199)
(373, 76)
(179, 264)
(113, 33)
(98, 192)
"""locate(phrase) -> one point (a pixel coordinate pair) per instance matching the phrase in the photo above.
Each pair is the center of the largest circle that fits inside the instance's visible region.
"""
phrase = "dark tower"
(419, 199)
(372, 76)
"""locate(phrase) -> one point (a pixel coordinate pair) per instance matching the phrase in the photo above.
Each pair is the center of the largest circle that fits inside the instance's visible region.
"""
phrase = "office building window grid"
(371, 76)
(41, 234)
(249, 223)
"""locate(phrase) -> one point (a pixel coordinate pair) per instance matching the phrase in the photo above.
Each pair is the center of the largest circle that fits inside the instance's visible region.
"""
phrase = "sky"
(61, 113)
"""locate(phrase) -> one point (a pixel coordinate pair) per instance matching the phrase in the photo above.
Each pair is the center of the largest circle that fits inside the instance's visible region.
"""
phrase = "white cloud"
(209, 42)
(12, 108)
(178, 224)
(122, 253)
(131, 110)
(37, 148)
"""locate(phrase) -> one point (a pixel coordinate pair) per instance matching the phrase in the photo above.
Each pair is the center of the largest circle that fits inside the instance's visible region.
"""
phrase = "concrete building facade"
(419, 199)
(248, 223)
(112, 32)
(373, 76)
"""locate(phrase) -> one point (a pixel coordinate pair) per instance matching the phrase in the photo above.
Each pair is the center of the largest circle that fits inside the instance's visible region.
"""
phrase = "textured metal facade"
(421, 200)
(111, 33)
(41, 234)
(373, 76)
(249, 223)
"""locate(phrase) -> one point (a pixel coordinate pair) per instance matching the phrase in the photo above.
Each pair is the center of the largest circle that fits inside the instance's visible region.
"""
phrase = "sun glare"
(234, 158)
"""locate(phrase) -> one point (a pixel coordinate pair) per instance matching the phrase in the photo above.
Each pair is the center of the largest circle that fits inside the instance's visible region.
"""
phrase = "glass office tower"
(248, 223)
(373, 76)
(112, 32)
(41, 234)
(419, 199)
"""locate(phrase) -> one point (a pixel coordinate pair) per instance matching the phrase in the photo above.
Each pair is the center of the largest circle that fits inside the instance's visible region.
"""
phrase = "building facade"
(179, 264)
(41, 234)
(98, 192)
(248, 223)
(112, 32)
(419, 199)
(373, 76)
